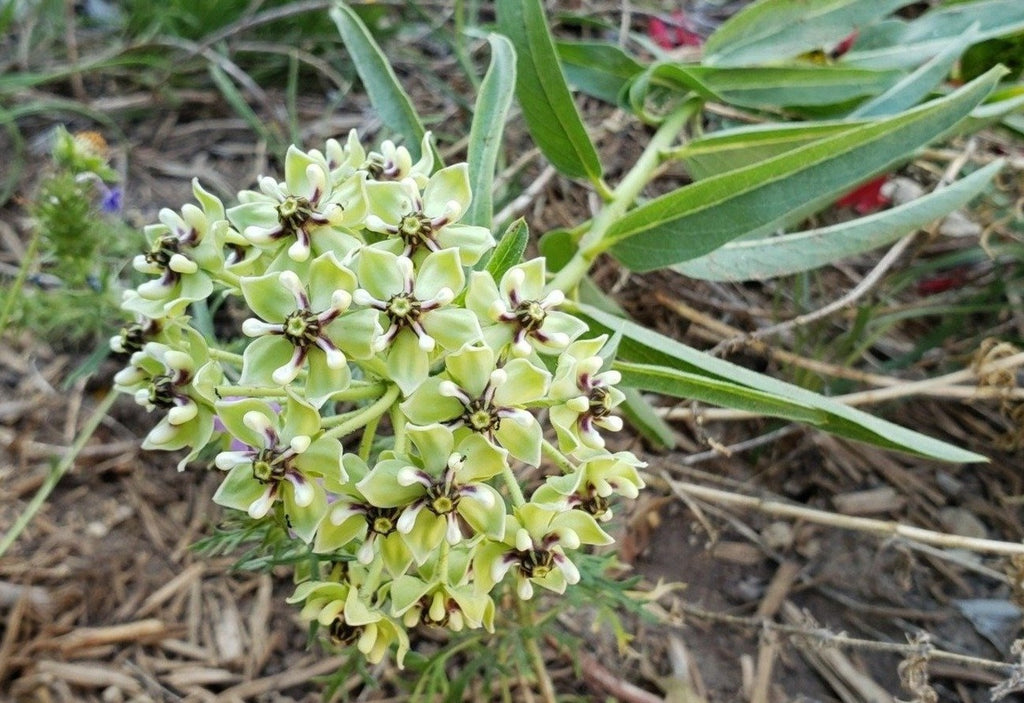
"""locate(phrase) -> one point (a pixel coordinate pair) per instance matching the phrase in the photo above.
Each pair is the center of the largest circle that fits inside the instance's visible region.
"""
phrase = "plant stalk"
(547, 687)
(364, 415)
(624, 195)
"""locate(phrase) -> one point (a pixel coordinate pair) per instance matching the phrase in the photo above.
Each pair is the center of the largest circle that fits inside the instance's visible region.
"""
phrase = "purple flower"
(111, 199)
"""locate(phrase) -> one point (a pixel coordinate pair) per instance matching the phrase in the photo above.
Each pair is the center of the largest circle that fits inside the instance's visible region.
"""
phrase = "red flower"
(678, 31)
(867, 197)
(844, 46)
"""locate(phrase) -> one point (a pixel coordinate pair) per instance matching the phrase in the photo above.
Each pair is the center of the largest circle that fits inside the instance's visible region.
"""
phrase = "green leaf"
(735, 148)
(599, 69)
(756, 87)
(644, 346)
(700, 387)
(639, 413)
(389, 99)
(509, 250)
(911, 89)
(897, 44)
(548, 108)
(701, 217)
(557, 247)
(774, 30)
(489, 118)
(792, 85)
(999, 107)
(769, 257)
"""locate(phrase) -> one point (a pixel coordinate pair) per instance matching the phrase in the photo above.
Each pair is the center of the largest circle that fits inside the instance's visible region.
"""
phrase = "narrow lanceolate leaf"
(389, 99)
(715, 391)
(492, 105)
(550, 113)
(898, 44)
(646, 421)
(509, 250)
(599, 69)
(770, 257)
(999, 107)
(765, 86)
(643, 346)
(770, 31)
(699, 218)
(913, 88)
(731, 149)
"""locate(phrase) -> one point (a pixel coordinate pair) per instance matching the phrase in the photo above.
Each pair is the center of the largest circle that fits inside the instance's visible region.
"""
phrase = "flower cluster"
(390, 386)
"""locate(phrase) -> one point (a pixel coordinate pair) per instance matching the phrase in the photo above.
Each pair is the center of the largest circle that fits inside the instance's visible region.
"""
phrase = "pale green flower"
(533, 549)
(283, 462)
(133, 337)
(414, 309)
(588, 396)
(342, 160)
(520, 312)
(415, 223)
(441, 490)
(178, 381)
(474, 396)
(183, 251)
(349, 620)
(443, 598)
(599, 476)
(305, 205)
(352, 519)
(394, 163)
(305, 325)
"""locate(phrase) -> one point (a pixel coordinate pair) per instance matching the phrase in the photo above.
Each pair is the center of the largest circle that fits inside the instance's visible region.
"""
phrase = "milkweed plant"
(426, 414)
(391, 390)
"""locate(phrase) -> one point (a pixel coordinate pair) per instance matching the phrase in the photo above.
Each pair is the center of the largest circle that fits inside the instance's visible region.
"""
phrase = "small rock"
(960, 521)
(778, 535)
(949, 484)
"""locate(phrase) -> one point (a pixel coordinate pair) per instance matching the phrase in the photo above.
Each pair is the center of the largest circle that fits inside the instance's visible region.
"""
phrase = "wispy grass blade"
(238, 103)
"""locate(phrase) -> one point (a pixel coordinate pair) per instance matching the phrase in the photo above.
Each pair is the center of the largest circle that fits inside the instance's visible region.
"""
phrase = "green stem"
(226, 356)
(547, 688)
(364, 415)
(400, 437)
(622, 198)
(229, 279)
(514, 489)
(560, 460)
(366, 441)
(58, 471)
(604, 190)
(14, 292)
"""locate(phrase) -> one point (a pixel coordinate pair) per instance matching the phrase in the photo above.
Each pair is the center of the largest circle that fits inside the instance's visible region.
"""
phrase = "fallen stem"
(861, 524)
(58, 471)
(828, 637)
